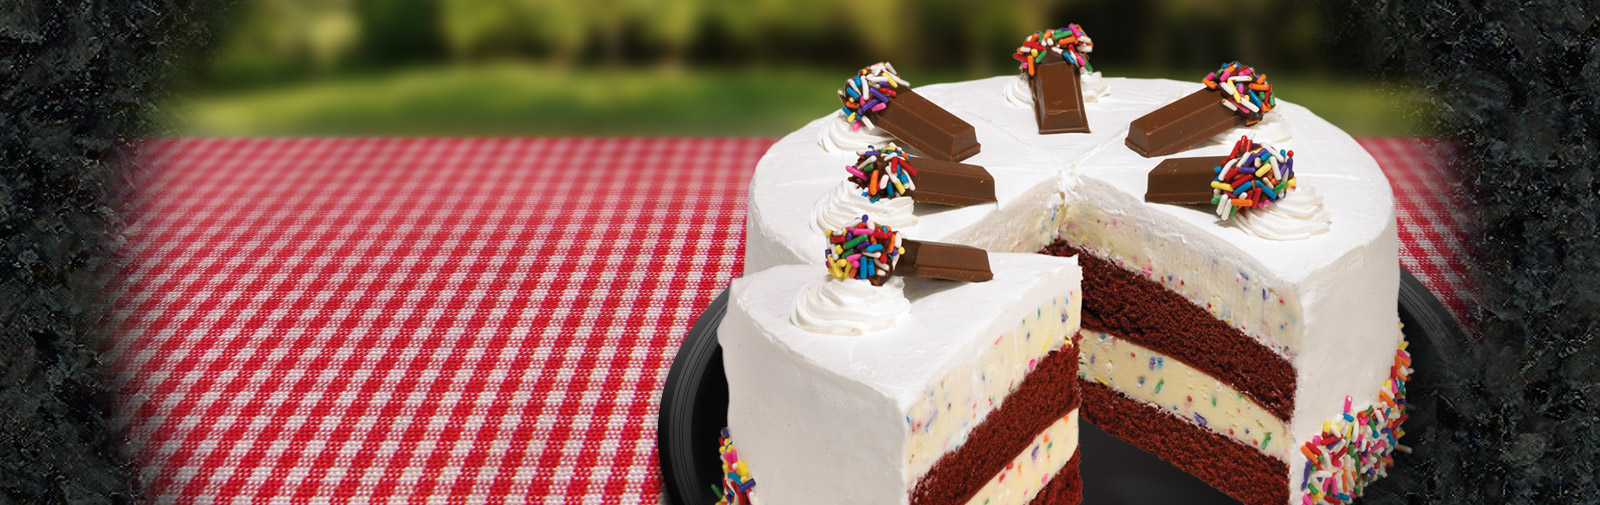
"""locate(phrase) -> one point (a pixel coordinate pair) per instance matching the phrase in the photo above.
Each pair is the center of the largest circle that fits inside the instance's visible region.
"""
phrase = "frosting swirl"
(1093, 86)
(849, 306)
(1019, 93)
(839, 137)
(1296, 216)
(1272, 129)
(844, 206)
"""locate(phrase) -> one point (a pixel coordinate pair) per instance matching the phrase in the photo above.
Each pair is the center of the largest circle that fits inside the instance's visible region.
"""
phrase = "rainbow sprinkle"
(738, 487)
(869, 91)
(865, 251)
(1358, 448)
(1070, 43)
(1243, 90)
(882, 173)
(1253, 176)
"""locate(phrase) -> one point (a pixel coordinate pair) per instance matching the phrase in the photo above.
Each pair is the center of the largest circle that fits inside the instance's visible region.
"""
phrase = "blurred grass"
(523, 99)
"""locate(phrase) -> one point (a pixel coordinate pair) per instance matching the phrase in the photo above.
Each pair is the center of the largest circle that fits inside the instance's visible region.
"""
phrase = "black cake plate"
(694, 409)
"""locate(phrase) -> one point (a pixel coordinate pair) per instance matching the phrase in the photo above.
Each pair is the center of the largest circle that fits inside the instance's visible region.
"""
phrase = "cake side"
(781, 409)
(790, 179)
(1332, 318)
(952, 367)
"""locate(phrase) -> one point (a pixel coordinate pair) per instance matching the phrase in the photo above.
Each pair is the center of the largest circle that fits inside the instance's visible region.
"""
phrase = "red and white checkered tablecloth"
(457, 320)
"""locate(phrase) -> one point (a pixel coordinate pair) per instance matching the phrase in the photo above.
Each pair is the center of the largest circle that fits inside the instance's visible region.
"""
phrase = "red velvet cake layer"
(1046, 395)
(1239, 470)
(1142, 311)
(1066, 488)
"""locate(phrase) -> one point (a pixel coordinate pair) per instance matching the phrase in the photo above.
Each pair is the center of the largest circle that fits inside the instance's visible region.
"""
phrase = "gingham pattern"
(450, 321)
(1431, 212)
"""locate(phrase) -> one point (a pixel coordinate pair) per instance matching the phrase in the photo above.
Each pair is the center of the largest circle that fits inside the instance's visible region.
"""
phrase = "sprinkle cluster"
(865, 251)
(1253, 176)
(737, 488)
(1243, 90)
(870, 90)
(1070, 43)
(1358, 448)
(882, 173)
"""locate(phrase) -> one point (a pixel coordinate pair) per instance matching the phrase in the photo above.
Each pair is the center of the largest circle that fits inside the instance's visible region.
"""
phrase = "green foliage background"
(714, 67)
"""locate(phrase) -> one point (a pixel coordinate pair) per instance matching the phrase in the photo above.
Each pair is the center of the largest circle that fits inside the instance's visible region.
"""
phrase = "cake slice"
(842, 392)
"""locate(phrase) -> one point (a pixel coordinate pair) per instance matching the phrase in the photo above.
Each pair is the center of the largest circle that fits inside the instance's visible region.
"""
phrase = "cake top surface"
(947, 321)
(799, 171)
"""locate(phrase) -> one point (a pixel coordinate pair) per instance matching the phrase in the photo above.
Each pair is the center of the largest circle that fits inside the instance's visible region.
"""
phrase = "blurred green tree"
(291, 36)
(994, 28)
(758, 27)
(278, 38)
(556, 29)
(872, 23)
(399, 31)
(472, 28)
(673, 25)
(1187, 21)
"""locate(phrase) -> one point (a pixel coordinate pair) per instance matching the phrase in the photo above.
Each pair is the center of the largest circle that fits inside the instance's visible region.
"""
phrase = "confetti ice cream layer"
(1180, 390)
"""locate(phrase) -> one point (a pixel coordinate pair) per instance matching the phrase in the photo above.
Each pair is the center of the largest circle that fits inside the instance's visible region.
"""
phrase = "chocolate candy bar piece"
(950, 183)
(943, 261)
(927, 127)
(1183, 180)
(1058, 98)
(1181, 124)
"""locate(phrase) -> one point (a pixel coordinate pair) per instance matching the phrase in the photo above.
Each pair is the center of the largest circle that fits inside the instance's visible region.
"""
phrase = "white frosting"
(1326, 302)
(1272, 130)
(1298, 215)
(849, 306)
(844, 206)
(839, 138)
(1019, 93)
(797, 399)
(1021, 222)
